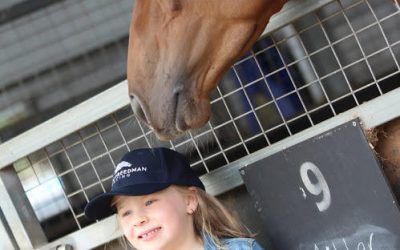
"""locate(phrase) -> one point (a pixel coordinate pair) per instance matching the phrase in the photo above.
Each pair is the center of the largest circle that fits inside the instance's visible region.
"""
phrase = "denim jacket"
(232, 244)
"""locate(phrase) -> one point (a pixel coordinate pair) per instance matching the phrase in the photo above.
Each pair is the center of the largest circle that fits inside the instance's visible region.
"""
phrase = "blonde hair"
(211, 218)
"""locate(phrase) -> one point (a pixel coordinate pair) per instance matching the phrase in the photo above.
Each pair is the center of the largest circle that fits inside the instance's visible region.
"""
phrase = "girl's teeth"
(149, 233)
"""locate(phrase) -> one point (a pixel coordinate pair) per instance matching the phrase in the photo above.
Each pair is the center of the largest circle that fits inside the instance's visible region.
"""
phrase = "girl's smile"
(149, 234)
(160, 220)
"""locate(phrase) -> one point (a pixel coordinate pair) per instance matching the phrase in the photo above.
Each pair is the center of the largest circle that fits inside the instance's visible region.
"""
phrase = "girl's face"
(162, 220)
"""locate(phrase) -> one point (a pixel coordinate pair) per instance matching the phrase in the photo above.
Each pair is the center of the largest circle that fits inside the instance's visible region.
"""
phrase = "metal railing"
(318, 65)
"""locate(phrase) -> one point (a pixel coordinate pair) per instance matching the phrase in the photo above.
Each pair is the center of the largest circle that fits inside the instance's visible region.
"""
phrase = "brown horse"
(179, 50)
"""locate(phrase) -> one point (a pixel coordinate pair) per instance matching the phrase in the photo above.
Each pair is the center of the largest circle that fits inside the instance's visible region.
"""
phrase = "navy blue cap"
(144, 171)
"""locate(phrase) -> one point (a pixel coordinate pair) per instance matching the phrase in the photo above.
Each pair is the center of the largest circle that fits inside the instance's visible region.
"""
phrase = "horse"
(179, 50)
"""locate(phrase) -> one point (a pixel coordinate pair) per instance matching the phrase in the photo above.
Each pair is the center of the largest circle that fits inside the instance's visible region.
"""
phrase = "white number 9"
(316, 188)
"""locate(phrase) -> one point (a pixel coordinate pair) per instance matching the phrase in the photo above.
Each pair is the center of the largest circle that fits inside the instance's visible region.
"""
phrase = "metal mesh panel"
(327, 62)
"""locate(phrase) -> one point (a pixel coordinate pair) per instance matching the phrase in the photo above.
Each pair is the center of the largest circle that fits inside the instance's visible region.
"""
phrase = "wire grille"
(329, 61)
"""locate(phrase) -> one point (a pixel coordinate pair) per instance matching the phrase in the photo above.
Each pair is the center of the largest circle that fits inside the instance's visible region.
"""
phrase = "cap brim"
(100, 207)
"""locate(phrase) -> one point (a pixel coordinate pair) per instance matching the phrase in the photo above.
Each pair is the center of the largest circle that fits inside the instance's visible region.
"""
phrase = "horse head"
(179, 50)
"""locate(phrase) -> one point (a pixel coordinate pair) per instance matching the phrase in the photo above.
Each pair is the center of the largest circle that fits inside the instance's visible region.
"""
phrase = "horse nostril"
(181, 125)
(178, 88)
(138, 110)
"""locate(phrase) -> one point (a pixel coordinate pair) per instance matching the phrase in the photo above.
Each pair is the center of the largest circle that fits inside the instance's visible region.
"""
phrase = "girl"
(161, 204)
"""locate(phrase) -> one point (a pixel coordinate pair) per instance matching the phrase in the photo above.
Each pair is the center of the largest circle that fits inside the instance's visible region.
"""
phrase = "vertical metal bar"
(308, 58)
(300, 57)
(17, 209)
(7, 239)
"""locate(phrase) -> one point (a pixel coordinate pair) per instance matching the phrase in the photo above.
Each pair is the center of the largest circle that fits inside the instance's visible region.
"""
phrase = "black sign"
(326, 193)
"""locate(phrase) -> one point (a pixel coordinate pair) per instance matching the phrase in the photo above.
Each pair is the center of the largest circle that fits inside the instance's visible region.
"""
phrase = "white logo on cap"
(121, 165)
(128, 170)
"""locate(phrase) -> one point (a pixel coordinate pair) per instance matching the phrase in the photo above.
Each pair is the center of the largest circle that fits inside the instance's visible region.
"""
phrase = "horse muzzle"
(176, 115)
